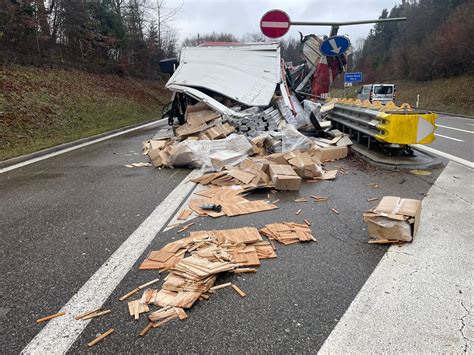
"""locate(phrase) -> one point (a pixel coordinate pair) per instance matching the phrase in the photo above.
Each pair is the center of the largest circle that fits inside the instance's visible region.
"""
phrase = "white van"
(377, 92)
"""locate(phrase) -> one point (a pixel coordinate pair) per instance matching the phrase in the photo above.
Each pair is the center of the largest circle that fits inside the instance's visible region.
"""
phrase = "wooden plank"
(44, 319)
(247, 207)
(181, 313)
(100, 338)
(239, 291)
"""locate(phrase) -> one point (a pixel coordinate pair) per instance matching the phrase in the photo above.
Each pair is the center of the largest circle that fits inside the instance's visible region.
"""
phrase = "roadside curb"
(40, 153)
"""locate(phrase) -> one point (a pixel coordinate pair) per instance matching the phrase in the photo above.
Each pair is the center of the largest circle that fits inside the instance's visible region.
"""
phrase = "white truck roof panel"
(248, 74)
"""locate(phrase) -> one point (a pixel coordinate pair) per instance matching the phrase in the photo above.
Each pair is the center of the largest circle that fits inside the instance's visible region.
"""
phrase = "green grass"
(41, 108)
(451, 95)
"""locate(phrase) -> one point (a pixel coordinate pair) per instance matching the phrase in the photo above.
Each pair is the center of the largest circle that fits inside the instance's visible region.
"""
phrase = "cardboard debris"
(333, 153)
(284, 177)
(394, 220)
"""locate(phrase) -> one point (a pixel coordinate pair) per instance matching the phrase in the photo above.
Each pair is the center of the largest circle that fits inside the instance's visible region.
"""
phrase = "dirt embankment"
(42, 107)
(451, 95)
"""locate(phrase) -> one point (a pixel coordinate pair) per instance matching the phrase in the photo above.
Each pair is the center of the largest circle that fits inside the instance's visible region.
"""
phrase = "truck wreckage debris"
(238, 113)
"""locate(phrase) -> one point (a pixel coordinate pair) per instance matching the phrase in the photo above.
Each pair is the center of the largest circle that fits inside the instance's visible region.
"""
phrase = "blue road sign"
(334, 46)
(352, 77)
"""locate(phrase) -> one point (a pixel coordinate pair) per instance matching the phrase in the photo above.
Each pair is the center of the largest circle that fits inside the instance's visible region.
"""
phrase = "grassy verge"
(452, 95)
(41, 108)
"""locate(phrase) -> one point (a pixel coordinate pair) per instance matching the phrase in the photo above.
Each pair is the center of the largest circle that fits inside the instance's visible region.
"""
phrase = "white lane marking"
(62, 151)
(454, 139)
(416, 298)
(60, 333)
(456, 129)
(430, 150)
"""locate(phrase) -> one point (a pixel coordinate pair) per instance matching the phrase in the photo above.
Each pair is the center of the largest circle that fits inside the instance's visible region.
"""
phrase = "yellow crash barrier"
(398, 125)
(406, 128)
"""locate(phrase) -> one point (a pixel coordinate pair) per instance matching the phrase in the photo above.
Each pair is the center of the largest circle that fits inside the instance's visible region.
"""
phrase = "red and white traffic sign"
(275, 23)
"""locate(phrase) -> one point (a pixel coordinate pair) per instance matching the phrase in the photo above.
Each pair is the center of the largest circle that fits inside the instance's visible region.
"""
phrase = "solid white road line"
(430, 150)
(420, 297)
(62, 151)
(60, 333)
(454, 139)
(456, 129)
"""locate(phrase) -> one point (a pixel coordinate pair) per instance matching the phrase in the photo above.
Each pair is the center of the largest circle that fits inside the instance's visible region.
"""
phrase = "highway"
(455, 135)
(76, 225)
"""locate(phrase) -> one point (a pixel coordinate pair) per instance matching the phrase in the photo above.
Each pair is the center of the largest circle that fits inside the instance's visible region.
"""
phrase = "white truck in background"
(382, 93)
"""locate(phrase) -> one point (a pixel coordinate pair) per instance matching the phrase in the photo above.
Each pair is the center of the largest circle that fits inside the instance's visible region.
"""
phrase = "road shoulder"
(419, 298)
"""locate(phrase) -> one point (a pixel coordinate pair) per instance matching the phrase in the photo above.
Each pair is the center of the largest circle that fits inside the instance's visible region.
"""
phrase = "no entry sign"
(275, 23)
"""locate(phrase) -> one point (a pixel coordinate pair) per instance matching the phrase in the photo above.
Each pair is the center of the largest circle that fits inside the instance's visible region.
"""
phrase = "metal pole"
(349, 23)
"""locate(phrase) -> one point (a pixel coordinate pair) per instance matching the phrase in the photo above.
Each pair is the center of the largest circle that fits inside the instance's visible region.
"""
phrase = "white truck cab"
(377, 92)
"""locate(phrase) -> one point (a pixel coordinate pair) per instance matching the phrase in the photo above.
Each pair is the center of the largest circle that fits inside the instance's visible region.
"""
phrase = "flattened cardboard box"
(284, 177)
(395, 219)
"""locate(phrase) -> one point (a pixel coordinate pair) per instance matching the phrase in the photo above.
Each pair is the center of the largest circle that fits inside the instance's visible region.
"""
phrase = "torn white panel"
(209, 101)
(248, 74)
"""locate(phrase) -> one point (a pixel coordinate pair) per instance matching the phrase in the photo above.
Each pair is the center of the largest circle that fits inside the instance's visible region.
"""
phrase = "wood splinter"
(96, 314)
(82, 315)
(132, 292)
(100, 337)
(372, 199)
(186, 227)
(146, 329)
(334, 210)
(238, 290)
(44, 319)
(220, 286)
(298, 212)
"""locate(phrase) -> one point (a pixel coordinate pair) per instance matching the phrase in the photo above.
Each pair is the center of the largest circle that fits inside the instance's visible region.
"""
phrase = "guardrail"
(388, 124)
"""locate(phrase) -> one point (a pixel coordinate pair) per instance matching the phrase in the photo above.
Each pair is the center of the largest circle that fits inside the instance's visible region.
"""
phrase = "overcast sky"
(242, 16)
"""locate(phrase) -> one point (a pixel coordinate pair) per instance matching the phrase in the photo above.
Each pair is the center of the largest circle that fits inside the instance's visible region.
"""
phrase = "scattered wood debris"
(194, 263)
(184, 215)
(288, 232)
(100, 338)
(131, 293)
(96, 314)
(301, 200)
(44, 319)
(137, 165)
(82, 315)
(238, 290)
(186, 227)
(320, 198)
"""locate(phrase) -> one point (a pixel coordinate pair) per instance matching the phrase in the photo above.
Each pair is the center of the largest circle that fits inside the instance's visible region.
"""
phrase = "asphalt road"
(63, 217)
(455, 135)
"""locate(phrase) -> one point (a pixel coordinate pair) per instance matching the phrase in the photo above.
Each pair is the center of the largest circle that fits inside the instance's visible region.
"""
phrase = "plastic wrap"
(211, 154)
(292, 139)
